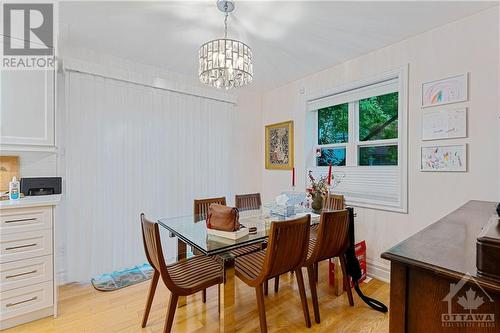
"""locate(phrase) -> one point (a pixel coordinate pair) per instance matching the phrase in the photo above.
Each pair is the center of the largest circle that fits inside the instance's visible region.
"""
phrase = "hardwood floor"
(83, 309)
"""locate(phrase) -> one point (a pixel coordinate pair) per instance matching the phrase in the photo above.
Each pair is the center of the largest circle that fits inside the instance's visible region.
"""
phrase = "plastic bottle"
(14, 193)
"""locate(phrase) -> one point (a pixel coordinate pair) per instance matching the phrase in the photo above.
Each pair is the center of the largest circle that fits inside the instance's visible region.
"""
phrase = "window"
(333, 134)
(360, 130)
(376, 140)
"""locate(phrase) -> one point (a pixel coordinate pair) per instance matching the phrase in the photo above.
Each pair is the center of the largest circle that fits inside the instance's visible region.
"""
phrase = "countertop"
(32, 201)
(448, 246)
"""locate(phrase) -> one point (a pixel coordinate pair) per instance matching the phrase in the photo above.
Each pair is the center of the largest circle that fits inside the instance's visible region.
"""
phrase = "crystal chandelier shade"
(225, 63)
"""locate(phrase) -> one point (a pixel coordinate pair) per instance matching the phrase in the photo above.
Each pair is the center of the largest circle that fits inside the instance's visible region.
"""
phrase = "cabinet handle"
(21, 302)
(20, 220)
(20, 274)
(19, 247)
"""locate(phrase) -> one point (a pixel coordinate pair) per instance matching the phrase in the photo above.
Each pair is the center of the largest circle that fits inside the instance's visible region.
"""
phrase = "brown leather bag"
(223, 218)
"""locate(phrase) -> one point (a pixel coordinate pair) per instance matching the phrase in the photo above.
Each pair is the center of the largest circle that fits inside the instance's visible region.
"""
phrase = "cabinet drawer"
(25, 219)
(20, 301)
(23, 273)
(25, 245)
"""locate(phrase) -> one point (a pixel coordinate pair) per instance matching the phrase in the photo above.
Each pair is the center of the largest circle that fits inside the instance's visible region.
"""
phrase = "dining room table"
(191, 231)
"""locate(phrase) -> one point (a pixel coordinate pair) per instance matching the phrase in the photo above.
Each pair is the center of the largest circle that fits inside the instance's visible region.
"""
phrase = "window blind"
(345, 96)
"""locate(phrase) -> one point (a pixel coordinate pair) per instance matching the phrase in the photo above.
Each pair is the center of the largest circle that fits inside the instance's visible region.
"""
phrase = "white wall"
(247, 146)
(469, 45)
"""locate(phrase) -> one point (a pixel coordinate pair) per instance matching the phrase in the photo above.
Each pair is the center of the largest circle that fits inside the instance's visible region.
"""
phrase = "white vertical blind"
(130, 149)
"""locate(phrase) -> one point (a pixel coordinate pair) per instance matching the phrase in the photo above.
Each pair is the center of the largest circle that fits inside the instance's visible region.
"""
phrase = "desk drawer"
(22, 273)
(25, 245)
(25, 219)
(20, 301)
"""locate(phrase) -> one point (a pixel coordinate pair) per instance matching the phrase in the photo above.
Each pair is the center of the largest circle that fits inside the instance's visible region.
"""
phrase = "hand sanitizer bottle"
(14, 193)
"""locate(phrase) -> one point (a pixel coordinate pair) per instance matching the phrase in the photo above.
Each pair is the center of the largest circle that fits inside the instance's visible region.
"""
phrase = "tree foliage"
(378, 117)
(333, 124)
(378, 120)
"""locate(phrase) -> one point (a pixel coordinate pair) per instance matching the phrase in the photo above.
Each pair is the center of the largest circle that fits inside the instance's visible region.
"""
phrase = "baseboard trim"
(25, 318)
(378, 271)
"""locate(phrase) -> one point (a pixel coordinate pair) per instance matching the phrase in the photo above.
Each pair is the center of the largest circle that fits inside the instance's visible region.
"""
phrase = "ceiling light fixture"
(225, 63)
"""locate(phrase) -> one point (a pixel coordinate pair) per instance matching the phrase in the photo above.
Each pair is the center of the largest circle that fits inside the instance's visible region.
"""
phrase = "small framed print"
(444, 158)
(444, 124)
(445, 91)
(279, 146)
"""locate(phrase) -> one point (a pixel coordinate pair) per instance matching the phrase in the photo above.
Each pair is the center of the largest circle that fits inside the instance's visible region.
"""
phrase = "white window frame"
(346, 93)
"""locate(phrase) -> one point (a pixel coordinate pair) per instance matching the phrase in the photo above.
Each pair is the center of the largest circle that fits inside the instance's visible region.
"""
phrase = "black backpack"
(354, 270)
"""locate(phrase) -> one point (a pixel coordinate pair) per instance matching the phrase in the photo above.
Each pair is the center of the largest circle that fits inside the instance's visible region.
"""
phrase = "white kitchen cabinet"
(27, 107)
(28, 286)
(27, 113)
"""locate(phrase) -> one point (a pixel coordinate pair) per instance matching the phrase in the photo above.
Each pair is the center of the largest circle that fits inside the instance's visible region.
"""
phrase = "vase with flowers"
(317, 191)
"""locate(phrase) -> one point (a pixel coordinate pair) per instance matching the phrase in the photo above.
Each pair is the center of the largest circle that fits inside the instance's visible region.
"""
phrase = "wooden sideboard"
(28, 286)
(434, 282)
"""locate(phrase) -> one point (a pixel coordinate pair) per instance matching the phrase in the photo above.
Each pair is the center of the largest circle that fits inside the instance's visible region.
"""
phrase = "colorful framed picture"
(444, 158)
(279, 146)
(445, 91)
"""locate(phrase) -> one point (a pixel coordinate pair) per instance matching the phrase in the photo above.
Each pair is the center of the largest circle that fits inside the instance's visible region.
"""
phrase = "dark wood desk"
(428, 288)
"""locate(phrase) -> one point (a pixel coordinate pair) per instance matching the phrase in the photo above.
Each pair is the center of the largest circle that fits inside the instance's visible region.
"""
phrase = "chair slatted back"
(334, 202)
(287, 246)
(154, 251)
(333, 235)
(200, 210)
(248, 201)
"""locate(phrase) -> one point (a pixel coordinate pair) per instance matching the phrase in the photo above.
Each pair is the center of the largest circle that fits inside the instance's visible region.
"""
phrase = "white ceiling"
(290, 40)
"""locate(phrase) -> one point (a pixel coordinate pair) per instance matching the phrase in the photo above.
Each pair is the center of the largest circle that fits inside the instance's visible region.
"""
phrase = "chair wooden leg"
(151, 295)
(303, 299)
(204, 295)
(218, 298)
(262, 309)
(314, 294)
(172, 306)
(347, 283)
(266, 287)
(316, 272)
(276, 283)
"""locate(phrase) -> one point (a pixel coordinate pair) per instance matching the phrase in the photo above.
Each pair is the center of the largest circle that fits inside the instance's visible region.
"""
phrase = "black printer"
(41, 185)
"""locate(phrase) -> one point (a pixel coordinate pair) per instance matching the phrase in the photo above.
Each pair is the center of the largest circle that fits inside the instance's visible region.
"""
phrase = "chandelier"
(225, 63)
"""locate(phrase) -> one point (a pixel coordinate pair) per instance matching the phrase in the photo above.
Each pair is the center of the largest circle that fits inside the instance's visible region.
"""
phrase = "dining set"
(280, 245)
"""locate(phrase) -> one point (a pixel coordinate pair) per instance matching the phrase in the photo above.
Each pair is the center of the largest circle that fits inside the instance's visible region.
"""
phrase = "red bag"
(360, 252)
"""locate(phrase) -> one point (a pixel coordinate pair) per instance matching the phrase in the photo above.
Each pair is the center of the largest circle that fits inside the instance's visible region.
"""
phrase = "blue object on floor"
(124, 278)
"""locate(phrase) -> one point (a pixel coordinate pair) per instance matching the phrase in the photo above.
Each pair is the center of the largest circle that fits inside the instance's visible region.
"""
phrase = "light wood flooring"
(83, 309)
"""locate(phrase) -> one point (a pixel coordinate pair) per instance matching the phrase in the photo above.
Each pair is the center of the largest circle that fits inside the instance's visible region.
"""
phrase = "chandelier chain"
(225, 25)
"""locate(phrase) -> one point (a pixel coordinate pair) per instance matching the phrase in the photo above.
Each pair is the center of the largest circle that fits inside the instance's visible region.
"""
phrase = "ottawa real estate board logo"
(469, 305)
(27, 36)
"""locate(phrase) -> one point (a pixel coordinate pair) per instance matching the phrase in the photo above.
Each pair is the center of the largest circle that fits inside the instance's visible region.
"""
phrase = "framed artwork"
(444, 124)
(279, 146)
(444, 158)
(445, 91)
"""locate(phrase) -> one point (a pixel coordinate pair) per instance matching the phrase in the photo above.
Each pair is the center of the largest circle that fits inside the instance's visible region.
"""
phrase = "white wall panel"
(132, 149)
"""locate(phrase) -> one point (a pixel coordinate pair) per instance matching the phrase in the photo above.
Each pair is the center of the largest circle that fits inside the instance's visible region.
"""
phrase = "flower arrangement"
(318, 187)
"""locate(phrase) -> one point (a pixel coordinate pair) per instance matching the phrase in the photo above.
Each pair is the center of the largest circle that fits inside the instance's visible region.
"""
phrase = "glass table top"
(193, 231)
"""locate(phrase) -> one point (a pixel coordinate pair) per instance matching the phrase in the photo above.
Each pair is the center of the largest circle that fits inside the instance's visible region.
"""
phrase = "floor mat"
(122, 279)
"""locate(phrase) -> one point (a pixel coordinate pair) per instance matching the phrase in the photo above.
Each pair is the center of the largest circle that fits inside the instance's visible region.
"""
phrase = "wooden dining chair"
(201, 207)
(200, 212)
(334, 202)
(247, 201)
(286, 251)
(182, 278)
(331, 241)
